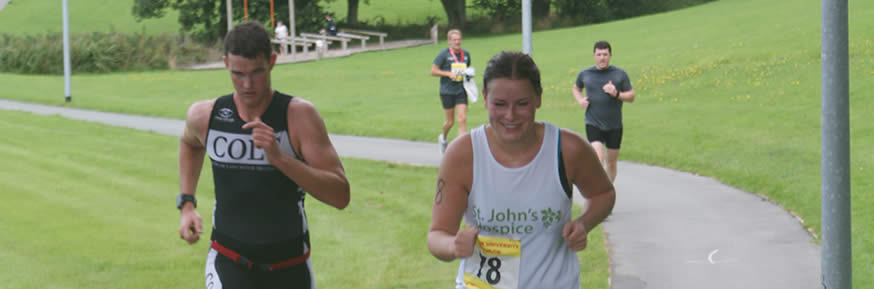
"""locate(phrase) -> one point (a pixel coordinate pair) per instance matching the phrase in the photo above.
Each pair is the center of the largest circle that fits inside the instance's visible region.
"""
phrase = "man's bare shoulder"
(302, 109)
(200, 110)
(197, 120)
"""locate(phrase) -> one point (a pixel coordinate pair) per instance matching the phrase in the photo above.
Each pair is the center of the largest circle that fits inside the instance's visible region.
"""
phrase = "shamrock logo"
(549, 216)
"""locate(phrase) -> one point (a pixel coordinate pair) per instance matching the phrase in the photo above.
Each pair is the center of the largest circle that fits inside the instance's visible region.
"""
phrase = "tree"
(455, 11)
(352, 12)
(540, 8)
(499, 10)
(583, 11)
(206, 19)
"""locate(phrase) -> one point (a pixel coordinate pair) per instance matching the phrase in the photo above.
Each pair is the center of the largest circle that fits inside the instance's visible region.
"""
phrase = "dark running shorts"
(611, 138)
(449, 101)
(223, 273)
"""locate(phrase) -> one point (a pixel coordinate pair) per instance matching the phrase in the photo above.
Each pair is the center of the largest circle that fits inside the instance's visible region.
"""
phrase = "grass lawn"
(397, 11)
(91, 206)
(29, 17)
(730, 89)
(392, 11)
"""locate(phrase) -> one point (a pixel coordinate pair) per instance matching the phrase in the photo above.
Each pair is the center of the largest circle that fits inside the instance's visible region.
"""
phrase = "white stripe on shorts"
(211, 276)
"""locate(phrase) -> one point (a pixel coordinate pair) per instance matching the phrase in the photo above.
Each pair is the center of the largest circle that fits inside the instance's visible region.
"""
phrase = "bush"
(98, 52)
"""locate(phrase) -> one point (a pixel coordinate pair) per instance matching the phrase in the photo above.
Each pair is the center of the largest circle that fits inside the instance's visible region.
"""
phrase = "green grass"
(729, 89)
(397, 11)
(392, 11)
(28, 17)
(91, 206)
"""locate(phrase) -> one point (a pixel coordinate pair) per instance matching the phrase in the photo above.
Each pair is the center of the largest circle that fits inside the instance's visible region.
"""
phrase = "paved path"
(3, 3)
(353, 48)
(669, 229)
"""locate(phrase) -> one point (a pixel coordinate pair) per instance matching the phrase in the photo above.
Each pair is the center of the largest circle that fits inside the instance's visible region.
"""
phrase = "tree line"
(206, 19)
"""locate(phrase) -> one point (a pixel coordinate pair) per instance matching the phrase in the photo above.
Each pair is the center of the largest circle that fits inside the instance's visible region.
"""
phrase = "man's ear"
(225, 59)
(272, 59)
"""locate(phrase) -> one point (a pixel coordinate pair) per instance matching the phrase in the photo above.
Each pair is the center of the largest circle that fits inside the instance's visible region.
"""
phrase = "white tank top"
(527, 204)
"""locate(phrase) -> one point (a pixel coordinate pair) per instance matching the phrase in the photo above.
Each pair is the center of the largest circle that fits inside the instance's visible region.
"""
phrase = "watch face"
(182, 198)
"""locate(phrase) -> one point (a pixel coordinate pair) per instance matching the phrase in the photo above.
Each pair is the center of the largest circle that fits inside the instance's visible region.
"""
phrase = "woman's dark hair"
(248, 39)
(513, 65)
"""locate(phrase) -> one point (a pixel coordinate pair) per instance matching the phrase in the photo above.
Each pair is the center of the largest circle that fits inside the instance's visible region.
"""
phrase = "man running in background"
(607, 87)
(448, 65)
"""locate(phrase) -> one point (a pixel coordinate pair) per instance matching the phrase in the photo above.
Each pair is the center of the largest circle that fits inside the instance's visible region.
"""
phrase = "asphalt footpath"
(669, 229)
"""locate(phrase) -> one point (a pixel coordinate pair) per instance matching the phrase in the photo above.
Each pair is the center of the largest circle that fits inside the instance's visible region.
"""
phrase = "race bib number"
(494, 264)
(458, 67)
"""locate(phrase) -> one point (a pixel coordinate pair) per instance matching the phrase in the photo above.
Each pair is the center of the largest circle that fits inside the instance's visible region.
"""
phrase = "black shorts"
(611, 138)
(224, 273)
(450, 100)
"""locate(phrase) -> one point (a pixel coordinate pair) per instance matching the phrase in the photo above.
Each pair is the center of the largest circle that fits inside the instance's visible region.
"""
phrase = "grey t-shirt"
(605, 111)
(444, 60)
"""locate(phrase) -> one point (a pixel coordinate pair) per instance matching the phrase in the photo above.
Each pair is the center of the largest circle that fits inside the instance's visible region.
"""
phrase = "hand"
(263, 137)
(190, 225)
(584, 103)
(464, 242)
(574, 233)
(610, 89)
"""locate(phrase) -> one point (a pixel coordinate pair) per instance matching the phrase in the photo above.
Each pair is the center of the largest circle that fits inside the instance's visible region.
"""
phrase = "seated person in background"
(331, 28)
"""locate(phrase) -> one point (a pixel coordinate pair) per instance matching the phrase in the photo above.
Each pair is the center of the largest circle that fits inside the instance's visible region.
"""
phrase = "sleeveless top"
(528, 204)
(255, 203)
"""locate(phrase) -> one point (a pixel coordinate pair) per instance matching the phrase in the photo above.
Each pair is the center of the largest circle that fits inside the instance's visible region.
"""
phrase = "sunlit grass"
(95, 205)
(729, 89)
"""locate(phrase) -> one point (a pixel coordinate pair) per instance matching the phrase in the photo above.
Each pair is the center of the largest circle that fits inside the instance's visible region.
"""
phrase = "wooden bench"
(381, 35)
(298, 41)
(344, 41)
(363, 38)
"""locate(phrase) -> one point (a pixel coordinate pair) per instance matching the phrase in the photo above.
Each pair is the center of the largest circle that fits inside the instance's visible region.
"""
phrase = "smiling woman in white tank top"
(511, 182)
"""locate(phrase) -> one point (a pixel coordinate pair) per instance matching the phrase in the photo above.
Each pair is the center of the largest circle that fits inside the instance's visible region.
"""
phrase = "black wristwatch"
(182, 198)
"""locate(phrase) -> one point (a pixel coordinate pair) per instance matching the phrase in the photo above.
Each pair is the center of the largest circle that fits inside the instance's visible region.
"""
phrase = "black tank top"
(256, 204)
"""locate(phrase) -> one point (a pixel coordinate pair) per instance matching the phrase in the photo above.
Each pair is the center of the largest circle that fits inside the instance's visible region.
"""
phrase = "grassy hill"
(93, 213)
(28, 17)
(729, 89)
(392, 11)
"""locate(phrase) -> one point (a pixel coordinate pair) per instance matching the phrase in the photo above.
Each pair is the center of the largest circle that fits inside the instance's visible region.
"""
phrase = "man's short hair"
(602, 45)
(451, 31)
(513, 65)
(248, 39)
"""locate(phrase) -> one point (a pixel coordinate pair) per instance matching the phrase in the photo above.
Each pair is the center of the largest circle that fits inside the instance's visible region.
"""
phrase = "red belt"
(242, 260)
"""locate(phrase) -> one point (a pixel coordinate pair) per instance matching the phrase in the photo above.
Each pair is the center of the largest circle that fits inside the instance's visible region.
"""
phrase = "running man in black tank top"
(266, 150)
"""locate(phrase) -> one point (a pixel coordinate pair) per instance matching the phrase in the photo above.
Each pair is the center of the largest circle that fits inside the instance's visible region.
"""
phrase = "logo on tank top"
(506, 221)
(225, 114)
(235, 148)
